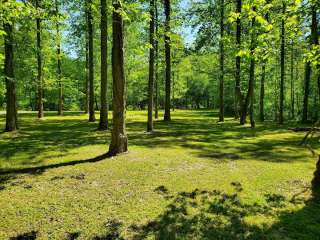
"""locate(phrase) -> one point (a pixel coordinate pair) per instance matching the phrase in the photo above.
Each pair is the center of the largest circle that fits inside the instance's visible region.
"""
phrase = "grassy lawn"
(192, 178)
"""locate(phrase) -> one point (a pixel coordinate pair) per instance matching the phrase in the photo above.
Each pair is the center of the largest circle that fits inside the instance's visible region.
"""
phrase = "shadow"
(205, 214)
(113, 231)
(41, 169)
(26, 236)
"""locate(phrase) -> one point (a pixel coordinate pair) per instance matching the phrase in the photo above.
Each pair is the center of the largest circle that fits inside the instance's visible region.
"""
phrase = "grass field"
(193, 178)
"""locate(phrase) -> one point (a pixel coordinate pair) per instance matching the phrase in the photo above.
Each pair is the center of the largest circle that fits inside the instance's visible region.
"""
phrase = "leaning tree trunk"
(151, 68)
(167, 41)
(11, 107)
(156, 46)
(39, 61)
(316, 180)
(103, 124)
(119, 141)
(282, 65)
(92, 117)
(238, 95)
(60, 102)
(221, 84)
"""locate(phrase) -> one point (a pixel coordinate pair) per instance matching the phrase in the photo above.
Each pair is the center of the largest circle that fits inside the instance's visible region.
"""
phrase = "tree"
(156, 47)
(221, 85)
(92, 117)
(167, 114)
(151, 66)
(39, 61)
(282, 64)
(238, 95)
(11, 107)
(60, 104)
(119, 140)
(103, 124)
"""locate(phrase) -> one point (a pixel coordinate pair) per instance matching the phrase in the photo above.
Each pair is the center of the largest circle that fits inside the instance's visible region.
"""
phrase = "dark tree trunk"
(86, 106)
(238, 95)
(221, 84)
(316, 180)
(282, 64)
(92, 117)
(103, 124)
(11, 107)
(167, 115)
(39, 61)
(250, 94)
(119, 141)
(156, 44)
(59, 72)
(151, 67)
(292, 91)
(262, 92)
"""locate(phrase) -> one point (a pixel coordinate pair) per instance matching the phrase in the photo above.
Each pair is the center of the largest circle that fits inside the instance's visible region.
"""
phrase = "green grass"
(193, 178)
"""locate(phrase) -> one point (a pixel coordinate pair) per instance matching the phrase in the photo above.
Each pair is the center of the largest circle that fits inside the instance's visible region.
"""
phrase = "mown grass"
(192, 178)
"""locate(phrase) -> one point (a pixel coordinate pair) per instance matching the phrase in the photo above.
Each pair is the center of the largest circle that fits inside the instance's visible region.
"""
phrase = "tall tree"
(58, 42)
(156, 47)
(92, 117)
(151, 67)
(119, 140)
(221, 85)
(282, 64)
(292, 85)
(11, 106)
(167, 45)
(238, 95)
(39, 61)
(103, 124)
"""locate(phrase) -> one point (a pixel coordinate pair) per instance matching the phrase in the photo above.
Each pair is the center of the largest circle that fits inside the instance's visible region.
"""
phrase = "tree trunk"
(282, 64)
(39, 61)
(167, 115)
(316, 180)
(156, 103)
(86, 106)
(151, 68)
(306, 92)
(92, 117)
(60, 102)
(262, 92)
(103, 124)
(238, 95)
(11, 107)
(119, 141)
(292, 91)
(221, 84)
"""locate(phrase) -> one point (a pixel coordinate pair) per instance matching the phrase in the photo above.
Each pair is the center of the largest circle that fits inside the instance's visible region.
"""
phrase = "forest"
(159, 119)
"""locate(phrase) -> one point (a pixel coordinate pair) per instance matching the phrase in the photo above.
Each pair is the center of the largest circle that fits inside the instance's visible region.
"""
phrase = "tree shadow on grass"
(204, 214)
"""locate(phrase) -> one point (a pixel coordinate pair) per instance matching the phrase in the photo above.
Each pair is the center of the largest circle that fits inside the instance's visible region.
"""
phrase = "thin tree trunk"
(86, 106)
(292, 92)
(156, 103)
(167, 114)
(119, 141)
(92, 117)
(282, 64)
(60, 104)
(39, 61)
(11, 101)
(262, 91)
(306, 92)
(238, 95)
(103, 124)
(151, 68)
(221, 84)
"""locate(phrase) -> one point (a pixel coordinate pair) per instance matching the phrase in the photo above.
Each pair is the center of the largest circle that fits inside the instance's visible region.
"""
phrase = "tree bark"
(262, 92)
(92, 117)
(59, 72)
(238, 95)
(119, 141)
(156, 103)
(103, 123)
(151, 68)
(11, 101)
(86, 106)
(39, 61)
(221, 84)
(167, 41)
(282, 64)
(292, 90)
